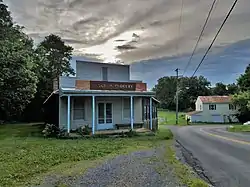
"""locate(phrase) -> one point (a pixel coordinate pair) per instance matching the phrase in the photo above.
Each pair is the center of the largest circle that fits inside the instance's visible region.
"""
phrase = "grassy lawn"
(239, 128)
(26, 157)
(169, 117)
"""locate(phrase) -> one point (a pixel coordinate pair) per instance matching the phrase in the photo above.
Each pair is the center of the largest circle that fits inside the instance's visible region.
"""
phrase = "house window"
(78, 109)
(104, 73)
(126, 108)
(200, 107)
(232, 107)
(154, 115)
(212, 107)
(146, 109)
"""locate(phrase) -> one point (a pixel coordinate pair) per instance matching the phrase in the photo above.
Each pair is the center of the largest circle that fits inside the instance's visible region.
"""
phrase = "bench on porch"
(128, 125)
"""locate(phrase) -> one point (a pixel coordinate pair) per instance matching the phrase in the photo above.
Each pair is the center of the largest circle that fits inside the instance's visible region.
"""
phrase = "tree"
(244, 80)
(53, 59)
(189, 90)
(232, 89)
(243, 101)
(220, 89)
(165, 91)
(17, 80)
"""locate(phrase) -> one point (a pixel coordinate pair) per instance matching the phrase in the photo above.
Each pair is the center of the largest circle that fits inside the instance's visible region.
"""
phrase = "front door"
(105, 116)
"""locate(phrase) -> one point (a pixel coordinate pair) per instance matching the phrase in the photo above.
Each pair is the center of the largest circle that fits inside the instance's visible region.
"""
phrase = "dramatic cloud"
(143, 29)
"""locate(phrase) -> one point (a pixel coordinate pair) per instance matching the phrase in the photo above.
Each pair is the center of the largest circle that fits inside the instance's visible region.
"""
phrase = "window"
(232, 107)
(200, 107)
(104, 73)
(212, 107)
(154, 111)
(78, 109)
(146, 111)
(126, 108)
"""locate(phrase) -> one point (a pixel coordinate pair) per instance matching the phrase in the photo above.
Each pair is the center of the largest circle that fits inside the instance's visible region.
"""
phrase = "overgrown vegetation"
(169, 117)
(239, 128)
(183, 172)
(28, 70)
(26, 156)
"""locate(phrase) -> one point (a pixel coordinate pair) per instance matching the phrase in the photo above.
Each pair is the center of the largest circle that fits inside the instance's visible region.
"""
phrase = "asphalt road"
(225, 156)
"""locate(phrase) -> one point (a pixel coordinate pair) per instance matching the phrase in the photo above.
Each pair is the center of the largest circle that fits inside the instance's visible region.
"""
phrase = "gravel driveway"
(138, 169)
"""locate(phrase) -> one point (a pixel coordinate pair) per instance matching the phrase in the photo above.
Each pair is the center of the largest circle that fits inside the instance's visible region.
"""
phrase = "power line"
(223, 23)
(201, 34)
(180, 22)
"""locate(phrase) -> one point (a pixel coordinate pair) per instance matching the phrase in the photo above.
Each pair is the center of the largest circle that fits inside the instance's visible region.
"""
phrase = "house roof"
(104, 92)
(193, 112)
(215, 99)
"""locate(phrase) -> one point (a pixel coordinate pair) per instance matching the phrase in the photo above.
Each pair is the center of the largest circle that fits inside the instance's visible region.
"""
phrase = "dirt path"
(138, 169)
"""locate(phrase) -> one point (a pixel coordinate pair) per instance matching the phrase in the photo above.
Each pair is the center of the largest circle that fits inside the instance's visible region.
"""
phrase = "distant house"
(102, 96)
(215, 109)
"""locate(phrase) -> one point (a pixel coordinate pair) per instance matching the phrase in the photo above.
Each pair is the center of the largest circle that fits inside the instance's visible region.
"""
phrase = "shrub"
(52, 130)
(84, 130)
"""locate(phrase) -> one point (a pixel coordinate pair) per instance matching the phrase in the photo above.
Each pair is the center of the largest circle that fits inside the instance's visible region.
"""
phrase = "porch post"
(131, 112)
(151, 116)
(68, 115)
(93, 115)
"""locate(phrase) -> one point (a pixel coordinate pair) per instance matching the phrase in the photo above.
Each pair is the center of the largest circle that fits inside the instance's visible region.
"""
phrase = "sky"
(145, 33)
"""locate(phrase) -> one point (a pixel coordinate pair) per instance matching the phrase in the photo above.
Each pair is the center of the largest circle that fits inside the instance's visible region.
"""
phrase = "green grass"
(239, 128)
(169, 117)
(26, 157)
(183, 172)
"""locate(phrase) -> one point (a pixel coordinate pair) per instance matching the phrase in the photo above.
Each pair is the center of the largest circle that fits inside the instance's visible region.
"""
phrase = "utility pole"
(177, 95)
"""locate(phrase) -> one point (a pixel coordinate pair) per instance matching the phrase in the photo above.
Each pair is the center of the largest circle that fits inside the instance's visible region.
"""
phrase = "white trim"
(150, 113)
(131, 112)
(93, 102)
(73, 110)
(123, 108)
(68, 114)
(97, 114)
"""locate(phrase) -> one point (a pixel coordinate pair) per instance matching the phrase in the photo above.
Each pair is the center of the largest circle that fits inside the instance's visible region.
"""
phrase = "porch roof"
(79, 92)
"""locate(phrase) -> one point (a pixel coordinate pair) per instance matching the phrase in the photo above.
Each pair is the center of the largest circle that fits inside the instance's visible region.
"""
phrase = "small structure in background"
(103, 97)
(213, 109)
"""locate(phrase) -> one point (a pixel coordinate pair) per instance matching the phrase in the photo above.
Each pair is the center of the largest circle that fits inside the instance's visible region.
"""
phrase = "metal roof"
(111, 92)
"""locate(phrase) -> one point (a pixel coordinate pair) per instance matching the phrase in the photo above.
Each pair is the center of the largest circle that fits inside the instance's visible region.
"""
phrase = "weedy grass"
(169, 117)
(183, 172)
(26, 157)
(239, 128)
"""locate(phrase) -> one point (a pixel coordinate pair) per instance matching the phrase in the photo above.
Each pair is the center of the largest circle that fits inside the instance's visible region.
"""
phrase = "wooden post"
(93, 115)
(68, 115)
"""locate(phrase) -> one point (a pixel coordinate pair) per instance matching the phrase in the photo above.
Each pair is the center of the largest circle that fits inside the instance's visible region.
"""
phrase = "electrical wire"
(180, 22)
(201, 34)
(223, 23)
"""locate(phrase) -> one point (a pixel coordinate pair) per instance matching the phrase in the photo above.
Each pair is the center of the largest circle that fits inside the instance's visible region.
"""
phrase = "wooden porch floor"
(113, 132)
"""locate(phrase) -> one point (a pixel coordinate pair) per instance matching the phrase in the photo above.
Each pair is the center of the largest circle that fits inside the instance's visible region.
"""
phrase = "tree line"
(189, 88)
(27, 70)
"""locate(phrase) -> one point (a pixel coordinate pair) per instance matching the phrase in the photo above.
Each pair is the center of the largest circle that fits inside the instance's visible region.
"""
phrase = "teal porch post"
(131, 112)
(68, 115)
(93, 115)
(151, 116)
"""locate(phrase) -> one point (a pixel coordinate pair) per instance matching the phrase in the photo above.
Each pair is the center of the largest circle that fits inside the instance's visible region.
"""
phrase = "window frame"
(212, 108)
(78, 108)
(105, 78)
(231, 106)
(127, 118)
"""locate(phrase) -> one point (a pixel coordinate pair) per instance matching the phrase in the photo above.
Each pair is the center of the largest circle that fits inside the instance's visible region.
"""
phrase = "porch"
(105, 112)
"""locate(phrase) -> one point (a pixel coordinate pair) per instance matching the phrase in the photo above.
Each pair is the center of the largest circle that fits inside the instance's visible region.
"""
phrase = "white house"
(102, 96)
(215, 109)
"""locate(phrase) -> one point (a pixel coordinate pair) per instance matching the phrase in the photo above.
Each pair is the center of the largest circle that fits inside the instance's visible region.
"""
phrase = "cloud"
(92, 25)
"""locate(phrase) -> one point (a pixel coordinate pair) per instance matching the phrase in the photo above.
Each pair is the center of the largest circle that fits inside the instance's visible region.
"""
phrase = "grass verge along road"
(239, 128)
(26, 158)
